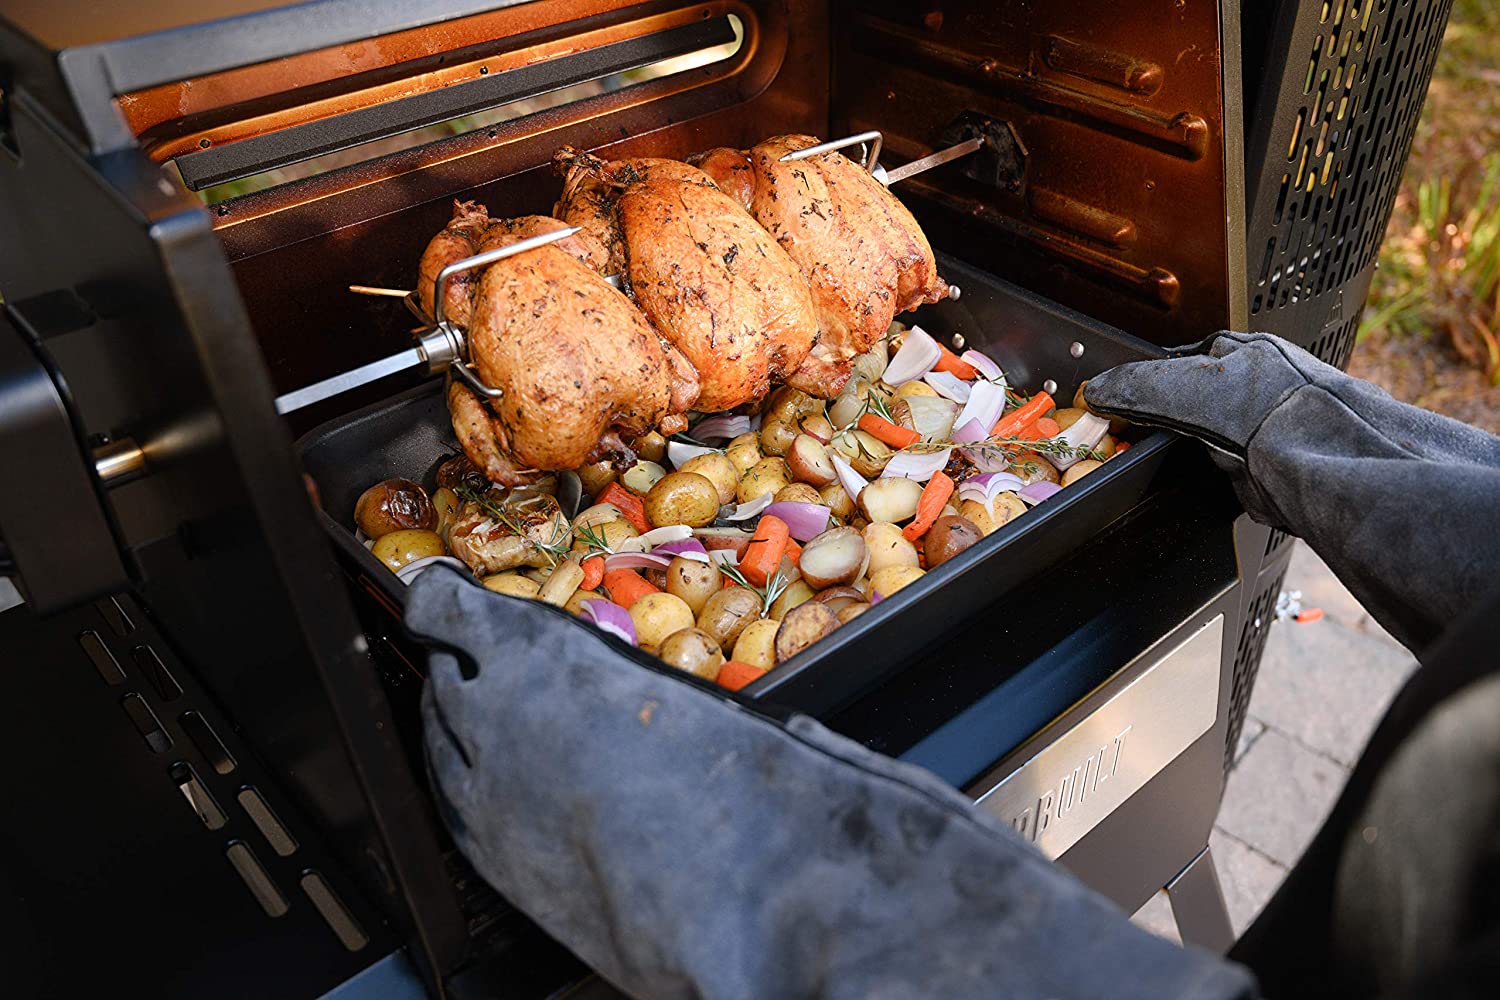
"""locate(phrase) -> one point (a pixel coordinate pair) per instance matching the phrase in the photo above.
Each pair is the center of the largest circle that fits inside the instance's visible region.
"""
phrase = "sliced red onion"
(755, 420)
(969, 433)
(720, 427)
(611, 618)
(986, 403)
(689, 547)
(406, 574)
(636, 560)
(918, 355)
(988, 486)
(876, 597)
(680, 452)
(851, 481)
(805, 521)
(655, 537)
(750, 508)
(1085, 433)
(907, 465)
(984, 364)
(1038, 491)
(949, 385)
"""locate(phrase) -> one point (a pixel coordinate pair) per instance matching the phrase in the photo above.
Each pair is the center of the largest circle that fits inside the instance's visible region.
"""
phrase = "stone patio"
(1322, 688)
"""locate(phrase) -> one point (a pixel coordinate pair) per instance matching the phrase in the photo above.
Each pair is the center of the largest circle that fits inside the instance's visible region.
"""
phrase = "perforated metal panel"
(1344, 85)
(1252, 644)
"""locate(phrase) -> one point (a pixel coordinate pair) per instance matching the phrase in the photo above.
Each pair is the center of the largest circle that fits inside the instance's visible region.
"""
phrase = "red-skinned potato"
(394, 505)
(839, 598)
(734, 539)
(833, 558)
(851, 612)
(803, 625)
(818, 426)
(948, 536)
(809, 461)
(837, 500)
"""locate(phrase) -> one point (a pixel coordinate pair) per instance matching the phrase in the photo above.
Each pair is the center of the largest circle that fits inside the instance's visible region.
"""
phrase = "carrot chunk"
(895, 435)
(954, 365)
(935, 496)
(593, 573)
(1018, 420)
(632, 506)
(626, 586)
(735, 674)
(766, 548)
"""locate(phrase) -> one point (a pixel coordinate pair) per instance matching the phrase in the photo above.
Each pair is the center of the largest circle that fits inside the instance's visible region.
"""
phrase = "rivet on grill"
(1076, 349)
(1049, 387)
(484, 71)
(959, 342)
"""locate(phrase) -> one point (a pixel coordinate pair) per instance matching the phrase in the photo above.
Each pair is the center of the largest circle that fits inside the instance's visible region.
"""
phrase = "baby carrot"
(735, 674)
(1016, 421)
(763, 555)
(632, 506)
(793, 551)
(1047, 427)
(892, 434)
(954, 365)
(626, 586)
(593, 573)
(929, 505)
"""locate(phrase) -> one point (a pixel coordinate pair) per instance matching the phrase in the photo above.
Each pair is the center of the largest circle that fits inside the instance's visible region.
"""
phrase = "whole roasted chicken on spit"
(581, 369)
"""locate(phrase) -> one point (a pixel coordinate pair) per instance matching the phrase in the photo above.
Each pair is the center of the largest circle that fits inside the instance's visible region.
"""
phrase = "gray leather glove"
(1403, 504)
(686, 845)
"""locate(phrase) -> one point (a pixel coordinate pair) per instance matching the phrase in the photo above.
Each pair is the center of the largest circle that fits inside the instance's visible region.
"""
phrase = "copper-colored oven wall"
(295, 250)
(1119, 107)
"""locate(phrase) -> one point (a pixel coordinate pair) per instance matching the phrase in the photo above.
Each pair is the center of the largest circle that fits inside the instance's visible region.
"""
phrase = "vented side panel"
(1330, 144)
(1252, 644)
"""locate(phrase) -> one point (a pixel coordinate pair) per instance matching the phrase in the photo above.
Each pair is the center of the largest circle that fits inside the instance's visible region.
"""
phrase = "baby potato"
(887, 581)
(694, 651)
(851, 612)
(803, 626)
(835, 557)
(744, 451)
(445, 505)
(695, 582)
(650, 446)
(1033, 468)
(891, 500)
(513, 584)
(888, 547)
(1079, 470)
(595, 517)
(768, 475)
(839, 598)
(837, 500)
(657, 616)
(817, 426)
(579, 599)
(916, 387)
(797, 592)
(776, 436)
(948, 536)
(799, 493)
(726, 614)
(641, 476)
(1067, 416)
(809, 462)
(989, 519)
(757, 644)
(1107, 447)
(597, 476)
(864, 451)
(788, 404)
(615, 532)
(397, 548)
(1117, 425)
(850, 404)
(717, 469)
(394, 505)
(682, 498)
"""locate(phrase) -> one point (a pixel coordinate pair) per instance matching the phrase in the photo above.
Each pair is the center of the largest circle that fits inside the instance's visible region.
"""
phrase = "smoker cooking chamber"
(1118, 194)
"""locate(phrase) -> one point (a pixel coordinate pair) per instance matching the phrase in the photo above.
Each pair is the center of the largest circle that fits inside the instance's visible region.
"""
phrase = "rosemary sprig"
(593, 541)
(554, 549)
(767, 594)
(875, 404)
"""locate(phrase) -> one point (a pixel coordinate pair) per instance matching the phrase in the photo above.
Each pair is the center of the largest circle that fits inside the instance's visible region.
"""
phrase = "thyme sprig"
(767, 594)
(1010, 446)
(554, 548)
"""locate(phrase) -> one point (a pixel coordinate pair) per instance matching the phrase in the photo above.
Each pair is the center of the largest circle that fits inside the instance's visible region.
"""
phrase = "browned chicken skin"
(710, 278)
(863, 254)
(581, 369)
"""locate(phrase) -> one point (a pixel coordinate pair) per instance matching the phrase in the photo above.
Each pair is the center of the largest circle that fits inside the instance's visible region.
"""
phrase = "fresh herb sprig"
(592, 540)
(1010, 446)
(773, 589)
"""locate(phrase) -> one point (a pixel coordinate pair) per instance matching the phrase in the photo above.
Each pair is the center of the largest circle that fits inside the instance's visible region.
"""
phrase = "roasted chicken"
(863, 254)
(708, 276)
(581, 369)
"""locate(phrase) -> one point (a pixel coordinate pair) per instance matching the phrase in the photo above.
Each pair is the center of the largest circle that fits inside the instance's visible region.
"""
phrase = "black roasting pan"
(1033, 339)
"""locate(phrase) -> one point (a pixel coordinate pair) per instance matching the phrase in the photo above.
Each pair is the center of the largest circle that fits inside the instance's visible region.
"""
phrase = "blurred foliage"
(1439, 277)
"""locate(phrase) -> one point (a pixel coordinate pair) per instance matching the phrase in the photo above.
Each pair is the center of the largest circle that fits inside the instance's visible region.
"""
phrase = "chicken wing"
(863, 254)
(709, 277)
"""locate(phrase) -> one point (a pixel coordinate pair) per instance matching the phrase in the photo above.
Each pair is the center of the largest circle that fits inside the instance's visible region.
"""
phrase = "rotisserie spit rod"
(442, 346)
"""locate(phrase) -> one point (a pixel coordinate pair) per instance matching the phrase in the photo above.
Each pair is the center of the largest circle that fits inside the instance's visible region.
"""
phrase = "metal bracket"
(870, 161)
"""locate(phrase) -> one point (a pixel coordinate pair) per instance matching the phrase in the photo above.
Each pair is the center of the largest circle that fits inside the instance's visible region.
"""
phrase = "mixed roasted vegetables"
(734, 547)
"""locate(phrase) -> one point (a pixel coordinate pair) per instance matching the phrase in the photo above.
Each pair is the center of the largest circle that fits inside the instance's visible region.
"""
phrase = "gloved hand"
(1403, 504)
(686, 845)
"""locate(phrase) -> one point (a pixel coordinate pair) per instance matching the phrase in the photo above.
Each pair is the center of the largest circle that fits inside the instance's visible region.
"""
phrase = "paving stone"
(1249, 733)
(1279, 795)
(1249, 879)
(1327, 685)
(1156, 917)
(1321, 589)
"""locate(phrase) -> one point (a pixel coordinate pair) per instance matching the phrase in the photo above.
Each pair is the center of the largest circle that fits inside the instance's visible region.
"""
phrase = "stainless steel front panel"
(1064, 788)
